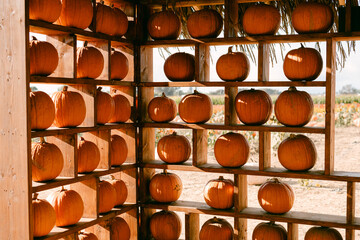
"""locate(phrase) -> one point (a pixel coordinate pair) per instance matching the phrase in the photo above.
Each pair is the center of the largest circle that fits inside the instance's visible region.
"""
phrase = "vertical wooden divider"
(293, 231)
(102, 140)
(350, 209)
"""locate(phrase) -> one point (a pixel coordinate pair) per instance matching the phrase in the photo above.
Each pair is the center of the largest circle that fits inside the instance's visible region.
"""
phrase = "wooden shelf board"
(61, 181)
(73, 81)
(185, 3)
(235, 84)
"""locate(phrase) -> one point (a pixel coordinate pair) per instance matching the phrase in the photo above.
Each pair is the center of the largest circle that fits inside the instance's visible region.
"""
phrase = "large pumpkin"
(121, 190)
(44, 217)
(233, 66)
(275, 196)
(90, 62)
(105, 106)
(216, 228)
(119, 229)
(107, 197)
(44, 10)
(162, 109)
(165, 187)
(253, 107)
(261, 19)
(180, 67)
(231, 150)
(87, 236)
(68, 205)
(47, 161)
(70, 109)
(312, 17)
(111, 21)
(195, 108)
(44, 58)
(294, 108)
(76, 13)
(269, 230)
(119, 65)
(219, 193)
(297, 153)
(164, 25)
(119, 150)
(303, 64)
(88, 156)
(322, 233)
(42, 110)
(165, 225)
(122, 111)
(174, 148)
(206, 23)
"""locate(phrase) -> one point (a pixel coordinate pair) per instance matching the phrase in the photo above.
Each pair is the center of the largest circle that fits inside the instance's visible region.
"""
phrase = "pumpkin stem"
(42, 140)
(272, 222)
(252, 89)
(113, 49)
(165, 171)
(82, 138)
(230, 49)
(292, 136)
(34, 38)
(99, 88)
(62, 189)
(275, 180)
(35, 196)
(302, 45)
(85, 43)
(196, 92)
(65, 88)
(163, 94)
(174, 133)
(221, 178)
(112, 177)
(292, 89)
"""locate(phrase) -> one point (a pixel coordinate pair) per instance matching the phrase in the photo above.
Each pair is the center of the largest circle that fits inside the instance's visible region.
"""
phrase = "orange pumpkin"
(110, 20)
(42, 110)
(87, 236)
(44, 58)
(303, 64)
(275, 196)
(107, 197)
(44, 217)
(162, 109)
(119, 229)
(68, 205)
(121, 190)
(165, 225)
(164, 25)
(122, 22)
(231, 150)
(269, 230)
(261, 19)
(294, 108)
(322, 233)
(88, 156)
(233, 66)
(47, 161)
(76, 13)
(206, 23)
(297, 153)
(253, 107)
(195, 108)
(70, 109)
(105, 106)
(119, 65)
(216, 228)
(174, 148)
(122, 111)
(312, 17)
(165, 187)
(119, 150)
(44, 10)
(90, 62)
(180, 67)
(219, 193)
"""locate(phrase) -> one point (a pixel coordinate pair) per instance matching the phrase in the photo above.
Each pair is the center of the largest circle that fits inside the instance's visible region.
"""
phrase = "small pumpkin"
(119, 229)
(119, 65)
(165, 225)
(105, 106)
(162, 109)
(68, 205)
(180, 67)
(261, 19)
(70, 109)
(165, 187)
(110, 20)
(107, 197)
(297, 153)
(76, 13)
(90, 62)
(269, 230)
(174, 148)
(119, 150)
(44, 57)
(44, 217)
(294, 108)
(45, 10)
(216, 228)
(322, 233)
(312, 17)
(205, 23)
(47, 161)
(122, 111)
(219, 193)
(195, 108)
(275, 196)
(88, 156)
(121, 190)
(253, 107)
(87, 236)
(233, 66)
(303, 64)
(164, 25)
(231, 150)
(42, 110)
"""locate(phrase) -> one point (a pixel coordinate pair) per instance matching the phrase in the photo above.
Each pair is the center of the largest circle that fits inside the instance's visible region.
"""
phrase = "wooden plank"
(73, 81)
(230, 113)
(348, 16)
(192, 226)
(235, 84)
(102, 140)
(240, 203)
(185, 3)
(200, 146)
(292, 231)
(202, 63)
(350, 209)
(88, 191)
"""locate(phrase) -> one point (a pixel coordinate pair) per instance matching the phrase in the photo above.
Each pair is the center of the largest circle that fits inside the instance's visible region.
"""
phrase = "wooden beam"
(240, 203)
(156, 4)
(192, 226)
(202, 63)
(350, 209)
(293, 231)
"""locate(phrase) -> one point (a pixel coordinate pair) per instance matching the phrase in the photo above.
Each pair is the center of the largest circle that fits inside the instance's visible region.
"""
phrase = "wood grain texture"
(200, 147)
(350, 209)
(192, 226)
(292, 231)
(240, 203)
(202, 63)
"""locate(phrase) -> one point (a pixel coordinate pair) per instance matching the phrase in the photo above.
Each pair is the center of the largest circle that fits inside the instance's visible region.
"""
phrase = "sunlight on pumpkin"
(295, 58)
(243, 102)
(158, 28)
(265, 203)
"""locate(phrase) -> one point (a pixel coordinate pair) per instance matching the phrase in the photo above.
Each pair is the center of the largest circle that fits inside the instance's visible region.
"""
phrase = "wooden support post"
(348, 16)
(202, 63)
(102, 139)
(192, 226)
(88, 191)
(293, 231)
(240, 202)
(231, 18)
(350, 209)
(199, 147)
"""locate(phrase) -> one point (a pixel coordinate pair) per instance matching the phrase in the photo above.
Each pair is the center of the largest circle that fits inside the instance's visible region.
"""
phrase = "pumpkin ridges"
(119, 229)
(44, 58)
(174, 148)
(105, 106)
(165, 187)
(76, 13)
(40, 10)
(119, 150)
(119, 65)
(195, 108)
(205, 23)
(107, 196)
(90, 62)
(122, 110)
(42, 110)
(180, 67)
(261, 19)
(44, 217)
(269, 231)
(219, 193)
(216, 228)
(121, 190)
(88, 156)
(165, 225)
(162, 109)
(322, 233)
(159, 29)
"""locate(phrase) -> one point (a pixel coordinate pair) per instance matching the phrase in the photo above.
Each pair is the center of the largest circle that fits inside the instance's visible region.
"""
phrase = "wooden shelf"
(73, 81)
(160, 3)
(62, 181)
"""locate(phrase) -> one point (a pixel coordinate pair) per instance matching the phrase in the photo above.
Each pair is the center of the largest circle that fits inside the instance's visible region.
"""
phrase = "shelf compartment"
(73, 81)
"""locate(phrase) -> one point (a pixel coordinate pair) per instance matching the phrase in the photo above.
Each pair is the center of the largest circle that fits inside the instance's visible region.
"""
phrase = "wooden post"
(192, 226)
(293, 231)
(240, 202)
(350, 209)
(202, 63)
(348, 16)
